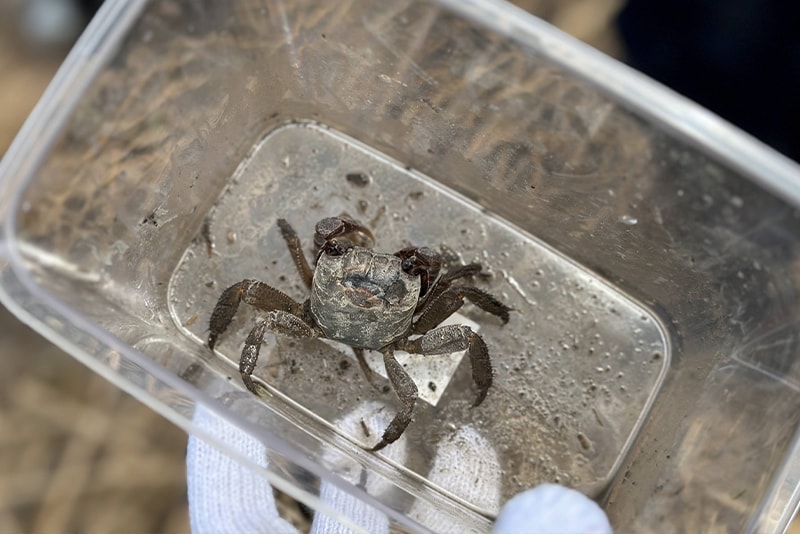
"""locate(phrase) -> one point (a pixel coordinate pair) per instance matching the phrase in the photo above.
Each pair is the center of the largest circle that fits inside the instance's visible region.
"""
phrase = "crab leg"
(296, 250)
(442, 306)
(453, 338)
(332, 227)
(252, 346)
(362, 363)
(258, 294)
(279, 322)
(407, 392)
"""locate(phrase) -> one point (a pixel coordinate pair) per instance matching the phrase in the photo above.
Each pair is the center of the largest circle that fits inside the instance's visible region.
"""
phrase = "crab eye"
(332, 248)
(410, 265)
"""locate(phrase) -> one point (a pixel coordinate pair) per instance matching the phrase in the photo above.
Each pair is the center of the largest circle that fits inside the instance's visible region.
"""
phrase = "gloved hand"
(227, 497)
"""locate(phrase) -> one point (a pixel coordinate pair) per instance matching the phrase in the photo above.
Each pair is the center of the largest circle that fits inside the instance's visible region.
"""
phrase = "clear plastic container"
(651, 252)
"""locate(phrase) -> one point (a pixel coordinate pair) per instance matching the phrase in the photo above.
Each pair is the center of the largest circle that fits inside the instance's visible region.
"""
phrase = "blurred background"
(78, 455)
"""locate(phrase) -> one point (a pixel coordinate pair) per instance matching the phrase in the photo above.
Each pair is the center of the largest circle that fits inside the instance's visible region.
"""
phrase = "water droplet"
(630, 220)
(737, 202)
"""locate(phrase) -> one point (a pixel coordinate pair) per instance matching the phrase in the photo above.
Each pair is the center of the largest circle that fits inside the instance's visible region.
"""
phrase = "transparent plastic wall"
(650, 252)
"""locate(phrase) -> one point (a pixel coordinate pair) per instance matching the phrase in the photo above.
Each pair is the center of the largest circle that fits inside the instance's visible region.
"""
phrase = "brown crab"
(369, 301)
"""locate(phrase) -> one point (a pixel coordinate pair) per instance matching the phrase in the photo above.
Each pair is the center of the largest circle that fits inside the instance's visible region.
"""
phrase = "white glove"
(225, 497)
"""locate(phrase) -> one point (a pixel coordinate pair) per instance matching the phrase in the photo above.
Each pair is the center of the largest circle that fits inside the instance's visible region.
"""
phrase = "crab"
(369, 301)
